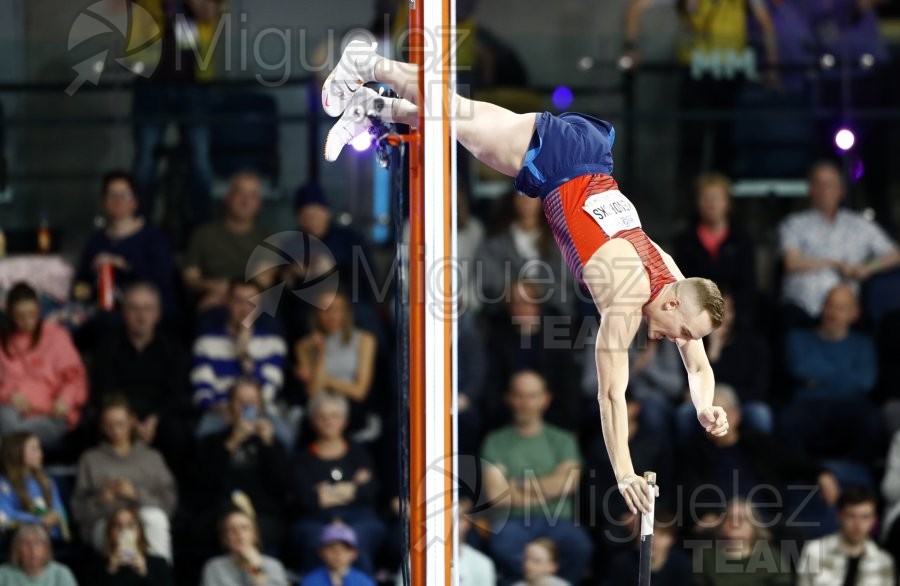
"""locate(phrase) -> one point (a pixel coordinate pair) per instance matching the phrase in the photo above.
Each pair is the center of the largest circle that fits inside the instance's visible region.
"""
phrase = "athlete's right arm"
(617, 330)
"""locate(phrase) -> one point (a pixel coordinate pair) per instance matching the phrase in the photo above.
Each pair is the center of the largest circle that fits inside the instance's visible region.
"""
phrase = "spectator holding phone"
(128, 561)
(123, 472)
(245, 457)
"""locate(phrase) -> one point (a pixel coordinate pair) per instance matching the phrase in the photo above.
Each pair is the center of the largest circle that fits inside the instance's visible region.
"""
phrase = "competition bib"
(612, 211)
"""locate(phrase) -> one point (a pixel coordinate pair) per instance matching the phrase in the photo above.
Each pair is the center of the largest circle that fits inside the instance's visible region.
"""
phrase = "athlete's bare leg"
(495, 136)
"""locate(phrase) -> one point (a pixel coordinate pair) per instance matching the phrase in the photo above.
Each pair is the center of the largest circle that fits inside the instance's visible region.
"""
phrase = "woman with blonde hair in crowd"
(340, 358)
(27, 493)
(31, 561)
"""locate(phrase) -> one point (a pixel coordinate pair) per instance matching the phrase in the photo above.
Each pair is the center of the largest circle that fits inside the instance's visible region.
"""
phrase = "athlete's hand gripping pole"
(647, 521)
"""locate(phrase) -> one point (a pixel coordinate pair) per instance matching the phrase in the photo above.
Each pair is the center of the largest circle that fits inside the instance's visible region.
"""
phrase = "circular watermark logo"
(304, 261)
(120, 27)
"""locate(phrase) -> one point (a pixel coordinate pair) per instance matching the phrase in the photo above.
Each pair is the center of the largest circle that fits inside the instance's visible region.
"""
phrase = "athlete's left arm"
(701, 383)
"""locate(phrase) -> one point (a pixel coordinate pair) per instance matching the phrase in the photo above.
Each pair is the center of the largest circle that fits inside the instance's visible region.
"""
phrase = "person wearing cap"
(338, 550)
(243, 564)
(332, 244)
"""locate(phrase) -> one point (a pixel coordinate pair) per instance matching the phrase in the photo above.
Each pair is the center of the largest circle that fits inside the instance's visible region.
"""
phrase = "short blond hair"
(713, 180)
(708, 297)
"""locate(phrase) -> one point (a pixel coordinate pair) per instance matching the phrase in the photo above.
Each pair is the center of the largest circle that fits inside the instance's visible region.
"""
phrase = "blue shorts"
(565, 147)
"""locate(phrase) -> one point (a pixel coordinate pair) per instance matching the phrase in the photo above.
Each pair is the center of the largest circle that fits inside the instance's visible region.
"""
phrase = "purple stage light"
(562, 97)
(844, 139)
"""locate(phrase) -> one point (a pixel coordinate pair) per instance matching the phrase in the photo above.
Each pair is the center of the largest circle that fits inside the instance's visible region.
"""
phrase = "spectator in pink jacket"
(43, 383)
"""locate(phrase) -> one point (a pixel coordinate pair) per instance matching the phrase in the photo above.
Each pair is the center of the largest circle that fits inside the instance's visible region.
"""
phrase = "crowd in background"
(195, 420)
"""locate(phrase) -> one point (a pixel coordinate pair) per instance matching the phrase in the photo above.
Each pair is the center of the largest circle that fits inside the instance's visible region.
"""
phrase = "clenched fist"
(713, 420)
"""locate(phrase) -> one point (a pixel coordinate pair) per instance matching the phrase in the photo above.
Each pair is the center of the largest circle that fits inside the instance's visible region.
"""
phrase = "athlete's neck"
(666, 293)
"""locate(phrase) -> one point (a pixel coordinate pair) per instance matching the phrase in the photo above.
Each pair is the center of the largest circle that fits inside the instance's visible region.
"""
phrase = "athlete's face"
(678, 321)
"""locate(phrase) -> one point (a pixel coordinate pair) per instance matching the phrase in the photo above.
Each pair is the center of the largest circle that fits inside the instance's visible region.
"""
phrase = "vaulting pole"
(433, 302)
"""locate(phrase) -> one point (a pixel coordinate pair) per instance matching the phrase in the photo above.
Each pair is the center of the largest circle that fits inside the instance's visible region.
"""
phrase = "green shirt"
(524, 457)
(221, 254)
(53, 575)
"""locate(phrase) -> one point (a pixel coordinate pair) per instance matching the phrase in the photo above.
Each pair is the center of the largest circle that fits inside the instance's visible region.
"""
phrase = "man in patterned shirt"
(826, 245)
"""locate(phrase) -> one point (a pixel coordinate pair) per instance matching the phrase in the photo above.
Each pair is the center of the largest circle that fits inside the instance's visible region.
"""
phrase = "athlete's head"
(691, 310)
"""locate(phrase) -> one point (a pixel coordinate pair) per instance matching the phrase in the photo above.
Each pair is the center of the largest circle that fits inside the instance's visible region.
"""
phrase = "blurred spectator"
(245, 456)
(149, 367)
(850, 31)
(847, 29)
(540, 564)
(521, 248)
(469, 239)
(849, 556)
(31, 561)
(826, 244)
(796, 41)
(339, 357)
(172, 94)
(534, 467)
(27, 493)
(346, 246)
(889, 369)
(240, 348)
(338, 549)
(890, 490)
(529, 336)
(649, 451)
(740, 461)
(243, 563)
(334, 479)
(134, 247)
(718, 61)
(43, 383)
(471, 375)
(716, 247)
(669, 566)
(123, 472)
(744, 546)
(127, 560)
(740, 359)
(219, 251)
(834, 370)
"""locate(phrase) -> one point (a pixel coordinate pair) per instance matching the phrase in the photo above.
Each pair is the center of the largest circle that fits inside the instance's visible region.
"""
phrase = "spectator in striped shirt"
(239, 348)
